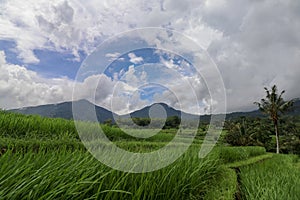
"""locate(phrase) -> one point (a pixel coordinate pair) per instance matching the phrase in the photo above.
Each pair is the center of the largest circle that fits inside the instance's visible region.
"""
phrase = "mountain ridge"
(64, 110)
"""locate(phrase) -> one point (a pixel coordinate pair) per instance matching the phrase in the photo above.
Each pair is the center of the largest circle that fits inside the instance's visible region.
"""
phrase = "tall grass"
(43, 158)
(24, 126)
(234, 154)
(77, 175)
(277, 178)
(14, 125)
(35, 145)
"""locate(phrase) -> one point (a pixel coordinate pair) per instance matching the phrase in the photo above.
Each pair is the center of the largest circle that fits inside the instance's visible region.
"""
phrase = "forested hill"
(64, 110)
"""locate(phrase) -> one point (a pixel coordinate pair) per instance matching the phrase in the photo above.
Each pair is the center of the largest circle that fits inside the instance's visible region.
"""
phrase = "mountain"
(295, 111)
(64, 110)
(155, 110)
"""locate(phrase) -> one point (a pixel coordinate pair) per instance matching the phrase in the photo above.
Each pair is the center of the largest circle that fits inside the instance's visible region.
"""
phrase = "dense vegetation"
(35, 127)
(77, 175)
(260, 132)
(43, 158)
(171, 122)
(277, 178)
(274, 106)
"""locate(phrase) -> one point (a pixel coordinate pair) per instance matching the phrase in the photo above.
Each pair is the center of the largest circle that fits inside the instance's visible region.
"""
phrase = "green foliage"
(250, 161)
(108, 122)
(22, 126)
(274, 105)
(248, 132)
(290, 135)
(225, 186)
(172, 122)
(141, 121)
(42, 158)
(233, 154)
(77, 175)
(259, 132)
(36, 145)
(276, 178)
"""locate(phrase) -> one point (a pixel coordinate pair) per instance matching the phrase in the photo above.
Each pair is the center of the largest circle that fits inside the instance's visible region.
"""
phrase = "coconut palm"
(274, 105)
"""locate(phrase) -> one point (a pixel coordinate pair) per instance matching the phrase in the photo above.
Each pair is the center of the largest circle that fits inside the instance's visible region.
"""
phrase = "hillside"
(169, 111)
(64, 110)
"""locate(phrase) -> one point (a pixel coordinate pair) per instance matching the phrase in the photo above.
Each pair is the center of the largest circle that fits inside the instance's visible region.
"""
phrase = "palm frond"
(274, 104)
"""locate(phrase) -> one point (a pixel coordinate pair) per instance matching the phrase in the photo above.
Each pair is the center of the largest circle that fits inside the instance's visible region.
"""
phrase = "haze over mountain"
(64, 110)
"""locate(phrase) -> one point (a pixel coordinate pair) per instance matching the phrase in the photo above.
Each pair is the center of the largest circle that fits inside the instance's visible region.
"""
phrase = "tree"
(274, 105)
(172, 122)
(108, 122)
(247, 132)
(291, 135)
(238, 134)
(141, 121)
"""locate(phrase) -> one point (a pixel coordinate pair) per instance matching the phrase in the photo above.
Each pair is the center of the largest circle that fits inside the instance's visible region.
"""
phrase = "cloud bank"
(253, 43)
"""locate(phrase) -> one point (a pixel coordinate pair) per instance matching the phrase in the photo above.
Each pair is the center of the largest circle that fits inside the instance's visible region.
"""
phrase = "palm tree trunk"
(277, 136)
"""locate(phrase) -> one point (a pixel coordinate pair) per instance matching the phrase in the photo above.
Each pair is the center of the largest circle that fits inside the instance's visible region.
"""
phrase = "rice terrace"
(150, 100)
(43, 158)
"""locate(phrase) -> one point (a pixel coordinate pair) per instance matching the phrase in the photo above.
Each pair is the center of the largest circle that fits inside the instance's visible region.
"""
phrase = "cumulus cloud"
(254, 43)
(264, 51)
(135, 59)
(74, 25)
(113, 56)
(21, 87)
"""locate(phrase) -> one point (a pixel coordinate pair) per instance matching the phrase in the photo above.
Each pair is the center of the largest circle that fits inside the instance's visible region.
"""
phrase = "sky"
(123, 55)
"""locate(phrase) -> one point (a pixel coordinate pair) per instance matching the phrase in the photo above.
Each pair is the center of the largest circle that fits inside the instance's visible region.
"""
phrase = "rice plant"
(276, 178)
(233, 154)
(77, 175)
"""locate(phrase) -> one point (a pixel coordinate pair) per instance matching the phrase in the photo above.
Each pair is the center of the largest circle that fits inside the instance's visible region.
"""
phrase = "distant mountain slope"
(296, 108)
(295, 111)
(64, 110)
(144, 112)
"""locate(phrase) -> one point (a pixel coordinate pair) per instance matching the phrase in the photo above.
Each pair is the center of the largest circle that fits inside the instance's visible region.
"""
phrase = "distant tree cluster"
(141, 121)
(282, 135)
(170, 122)
(248, 131)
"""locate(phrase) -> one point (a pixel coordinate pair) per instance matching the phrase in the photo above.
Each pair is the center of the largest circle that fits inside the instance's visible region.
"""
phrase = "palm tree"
(274, 105)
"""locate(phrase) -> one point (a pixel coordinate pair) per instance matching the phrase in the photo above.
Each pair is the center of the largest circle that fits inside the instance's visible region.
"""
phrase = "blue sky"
(246, 44)
(146, 72)
(51, 63)
(11, 55)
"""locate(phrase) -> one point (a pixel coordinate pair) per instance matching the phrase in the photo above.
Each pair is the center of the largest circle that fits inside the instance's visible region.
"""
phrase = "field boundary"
(250, 161)
(237, 165)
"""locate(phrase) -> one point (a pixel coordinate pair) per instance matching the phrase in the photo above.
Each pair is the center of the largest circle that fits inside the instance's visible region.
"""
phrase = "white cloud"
(112, 55)
(254, 43)
(73, 25)
(135, 59)
(264, 51)
(169, 63)
(21, 87)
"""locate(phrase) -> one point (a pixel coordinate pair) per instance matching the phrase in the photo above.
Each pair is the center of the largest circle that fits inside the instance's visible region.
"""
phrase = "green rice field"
(43, 158)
